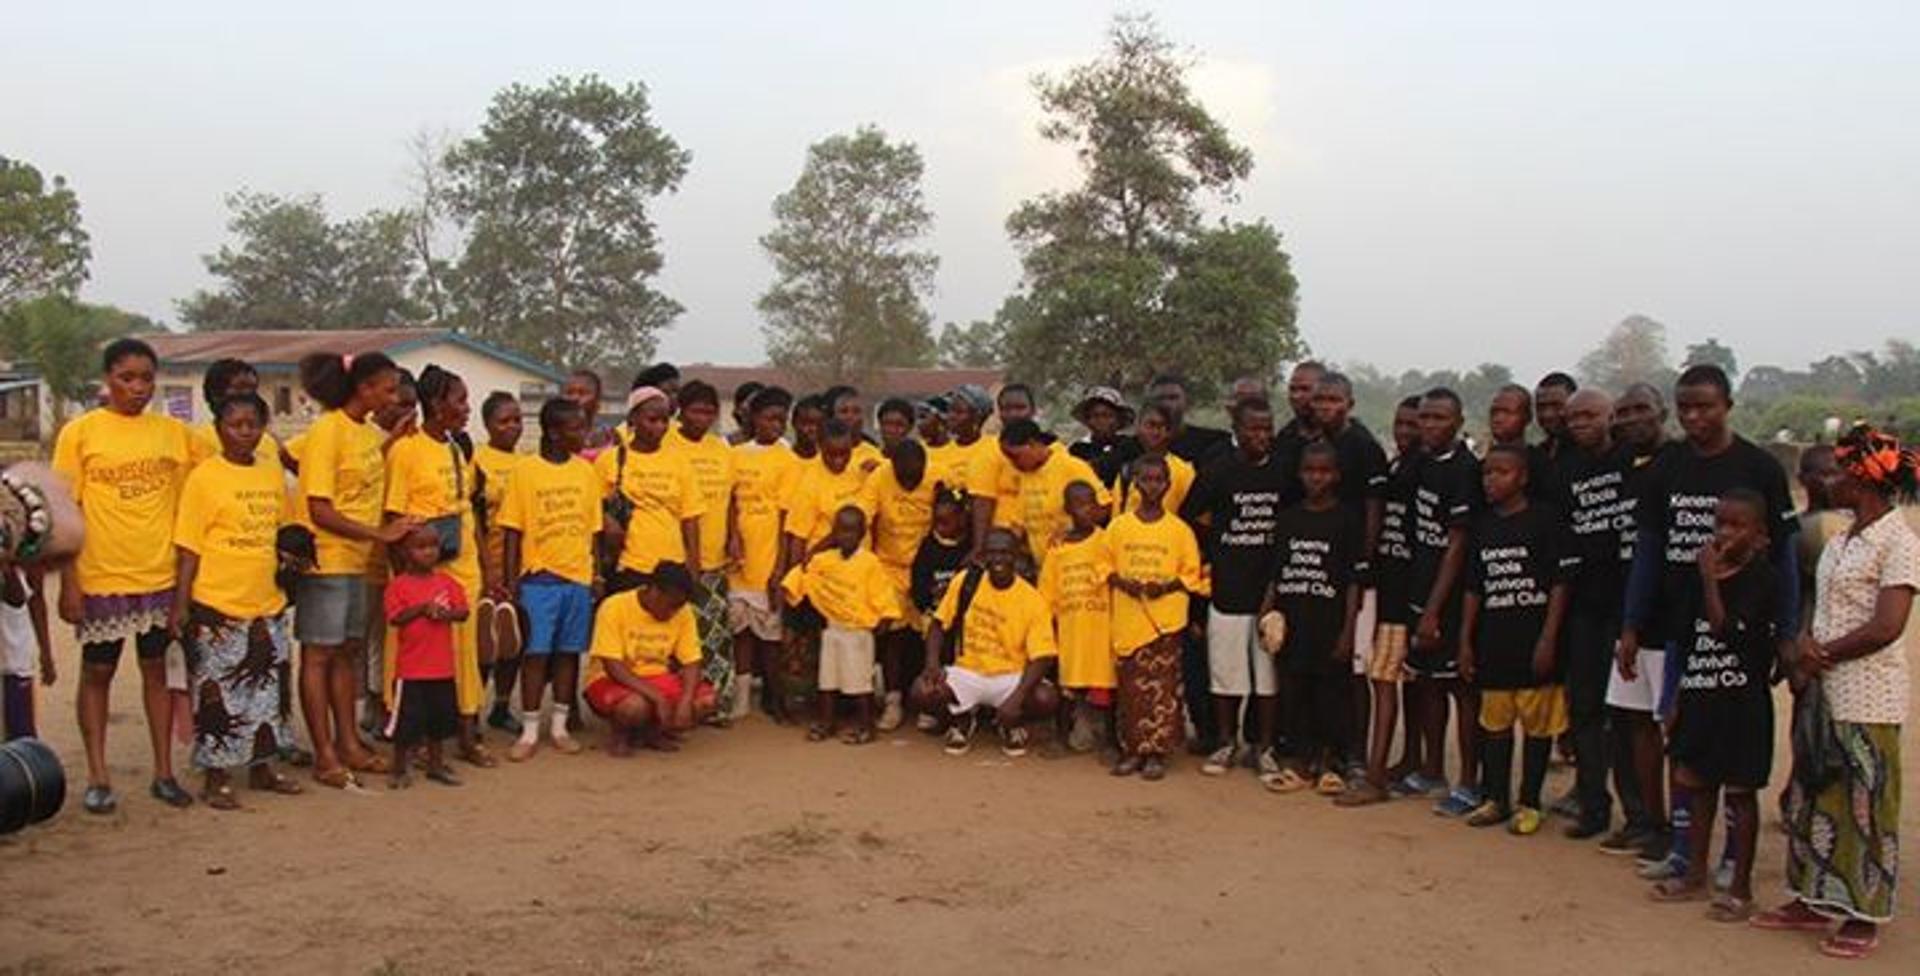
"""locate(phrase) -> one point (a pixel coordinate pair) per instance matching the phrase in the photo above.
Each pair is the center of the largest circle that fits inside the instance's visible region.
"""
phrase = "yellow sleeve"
(882, 598)
(1191, 573)
(320, 460)
(608, 642)
(686, 638)
(66, 456)
(1039, 636)
(190, 518)
(607, 466)
(983, 473)
(794, 584)
(202, 446)
(692, 503)
(950, 601)
(513, 507)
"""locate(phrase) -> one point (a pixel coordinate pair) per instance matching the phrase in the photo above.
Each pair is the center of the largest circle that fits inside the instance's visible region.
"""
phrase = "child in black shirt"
(1510, 635)
(943, 553)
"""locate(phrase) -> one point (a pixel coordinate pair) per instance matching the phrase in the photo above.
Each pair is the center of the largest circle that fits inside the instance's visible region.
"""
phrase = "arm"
(1349, 616)
(329, 519)
(983, 505)
(736, 544)
(619, 672)
(1891, 607)
(186, 568)
(1469, 622)
(1546, 650)
(72, 600)
(407, 615)
(1376, 513)
(936, 643)
(1444, 583)
(37, 612)
(690, 537)
(1011, 710)
(510, 559)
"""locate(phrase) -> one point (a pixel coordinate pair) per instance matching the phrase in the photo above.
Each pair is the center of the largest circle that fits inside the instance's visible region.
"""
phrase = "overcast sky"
(1456, 181)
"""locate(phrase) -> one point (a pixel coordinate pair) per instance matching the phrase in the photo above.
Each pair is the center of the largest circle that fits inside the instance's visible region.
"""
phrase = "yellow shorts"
(1540, 712)
(1388, 663)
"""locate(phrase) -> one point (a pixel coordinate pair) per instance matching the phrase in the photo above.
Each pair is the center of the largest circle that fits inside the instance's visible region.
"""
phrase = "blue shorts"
(559, 614)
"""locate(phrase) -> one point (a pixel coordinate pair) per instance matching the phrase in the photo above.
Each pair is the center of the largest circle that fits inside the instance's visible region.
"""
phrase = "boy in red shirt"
(422, 605)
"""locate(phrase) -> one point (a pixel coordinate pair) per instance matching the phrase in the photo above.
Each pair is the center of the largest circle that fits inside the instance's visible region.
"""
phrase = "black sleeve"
(1352, 563)
(1463, 493)
(1371, 467)
(1200, 499)
(1476, 572)
(1771, 479)
(921, 583)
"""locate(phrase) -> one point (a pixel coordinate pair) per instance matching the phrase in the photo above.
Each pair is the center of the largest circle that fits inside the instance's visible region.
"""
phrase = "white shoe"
(926, 722)
(744, 691)
(892, 715)
(1220, 761)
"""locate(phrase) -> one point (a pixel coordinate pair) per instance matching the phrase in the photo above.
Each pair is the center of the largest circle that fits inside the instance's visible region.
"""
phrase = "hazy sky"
(1456, 181)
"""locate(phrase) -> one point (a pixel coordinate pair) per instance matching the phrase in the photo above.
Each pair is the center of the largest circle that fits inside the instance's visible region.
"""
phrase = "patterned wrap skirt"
(1843, 845)
(239, 678)
(1151, 723)
(716, 638)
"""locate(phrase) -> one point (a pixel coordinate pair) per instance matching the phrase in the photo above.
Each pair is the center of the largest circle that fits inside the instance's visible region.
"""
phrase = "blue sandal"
(170, 792)
(100, 800)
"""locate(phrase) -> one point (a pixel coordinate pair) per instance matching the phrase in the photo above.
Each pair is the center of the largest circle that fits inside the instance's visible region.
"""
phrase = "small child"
(1156, 566)
(1722, 737)
(850, 587)
(422, 605)
(1510, 635)
(941, 557)
(1074, 580)
(1315, 590)
(23, 630)
(638, 638)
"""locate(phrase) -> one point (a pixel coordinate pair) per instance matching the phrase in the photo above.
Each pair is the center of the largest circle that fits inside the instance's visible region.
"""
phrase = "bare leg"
(159, 707)
(1266, 717)
(316, 669)
(343, 694)
(1466, 702)
(1433, 728)
(1226, 719)
(1745, 807)
(1386, 712)
(96, 684)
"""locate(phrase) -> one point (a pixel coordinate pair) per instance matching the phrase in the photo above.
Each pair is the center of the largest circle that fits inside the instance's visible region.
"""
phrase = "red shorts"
(605, 695)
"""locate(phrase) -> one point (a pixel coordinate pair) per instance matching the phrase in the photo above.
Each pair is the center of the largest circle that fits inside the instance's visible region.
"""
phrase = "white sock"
(530, 727)
(560, 720)
(742, 695)
(893, 698)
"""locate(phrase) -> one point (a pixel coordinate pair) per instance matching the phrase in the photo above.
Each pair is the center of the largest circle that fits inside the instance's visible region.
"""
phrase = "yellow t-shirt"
(763, 475)
(1074, 581)
(230, 516)
(819, 495)
(661, 487)
(126, 474)
(1179, 481)
(1039, 506)
(989, 474)
(712, 463)
(1156, 551)
(423, 480)
(624, 631)
(340, 460)
(901, 517)
(850, 591)
(1004, 629)
(204, 443)
(556, 510)
(949, 456)
(866, 457)
(498, 466)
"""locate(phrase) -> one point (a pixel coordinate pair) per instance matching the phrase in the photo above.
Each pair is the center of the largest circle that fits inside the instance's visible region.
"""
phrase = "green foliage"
(43, 248)
(1635, 351)
(1711, 352)
(847, 296)
(1376, 393)
(62, 338)
(293, 267)
(1121, 277)
(979, 344)
(554, 194)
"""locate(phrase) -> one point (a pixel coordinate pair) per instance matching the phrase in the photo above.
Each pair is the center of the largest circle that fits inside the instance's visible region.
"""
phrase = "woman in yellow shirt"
(499, 619)
(229, 609)
(644, 669)
(342, 487)
(900, 496)
(1156, 565)
(431, 477)
(659, 504)
(125, 467)
(1074, 579)
(1155, 433)
(707, 453)
(764, 467)
(227, 378)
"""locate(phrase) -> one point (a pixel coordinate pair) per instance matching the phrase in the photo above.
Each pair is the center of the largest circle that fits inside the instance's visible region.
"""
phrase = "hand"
(681, 717)
(48, 673)
(1626, 656)
(1543, 654)
(396, 530)
(73, 607)
(1711, 560)
(867, 466)
(776, 600)
(1342, 647)
(1811, 662)
(407, 424)
(173, 621)
(1428, 633)
(1468, 667)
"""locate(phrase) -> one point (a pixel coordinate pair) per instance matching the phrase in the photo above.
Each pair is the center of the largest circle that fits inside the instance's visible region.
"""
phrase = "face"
(506, 425)
(962, 418)
(1503, 477)
(1639, 419)
(1818, 474)
(1589, 420)
(769, 424)
(670, 387)
(1151, 481)
(1101, 419)
(1015, 405)
(422, 549)
(1319, 474)
(949, 520)
(130, 384)
(1153, 432)
(698, 418)
(1253, 429)
(1173, 396)
(1025, 457)
(648, 422)
(1082, 507)
(661, 604)
(1439, 423)
(1406, 429)
(1703, 412)
(1507, 417)
(807, 422)
(453, 411)
(389, 400)
(583, 391)
(895, 427)
(1331, 405)
(1550, 409)
(850, 411)
(1300, 387)
(849, 527)
(1245, 388)
(998, 554)
(933, 427)
(908, 468)
(836, 452)
(239, 431)
(1737, 529)
(571, 436)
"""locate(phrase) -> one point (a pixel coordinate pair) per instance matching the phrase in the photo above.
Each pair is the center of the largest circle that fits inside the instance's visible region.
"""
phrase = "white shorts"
(846, 661)
(1643, 692)
(972, 690)
(1236, 664)
(1363, 632)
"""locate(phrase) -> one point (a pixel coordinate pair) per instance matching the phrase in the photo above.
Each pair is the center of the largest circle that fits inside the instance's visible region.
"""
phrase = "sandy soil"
(754, 851)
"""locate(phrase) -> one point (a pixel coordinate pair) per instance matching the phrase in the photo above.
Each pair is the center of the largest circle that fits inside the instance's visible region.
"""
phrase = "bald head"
(1590, 419)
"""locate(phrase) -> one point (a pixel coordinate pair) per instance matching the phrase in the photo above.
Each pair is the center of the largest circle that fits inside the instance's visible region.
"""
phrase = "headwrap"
(975, 397)
(1876, 458)
(642, 394)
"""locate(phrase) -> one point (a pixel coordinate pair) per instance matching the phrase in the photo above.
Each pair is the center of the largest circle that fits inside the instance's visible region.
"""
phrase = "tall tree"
(43, 248)
(293, 267)
(554, 193)
(979, 344)
(62, 338)
(1122, 275)
(1633, 351)
(1712, 353)
(847, 296)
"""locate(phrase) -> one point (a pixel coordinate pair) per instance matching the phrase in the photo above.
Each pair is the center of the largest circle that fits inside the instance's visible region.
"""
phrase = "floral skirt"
(716, 639)
(1843, 845)
(1149, 715)
(239, 677)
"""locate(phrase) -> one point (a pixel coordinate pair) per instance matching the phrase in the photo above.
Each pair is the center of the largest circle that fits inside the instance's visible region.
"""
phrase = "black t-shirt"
(1543, 476)
(1393, 557)
(1106, 457)
(1362, 463)
(1677, 504)
(1314, 570)
(1241, 503)
(1513, 563)
(1197, 444)
(1446, 495)
(1599, 503)
(1724, 726)
(934, 566)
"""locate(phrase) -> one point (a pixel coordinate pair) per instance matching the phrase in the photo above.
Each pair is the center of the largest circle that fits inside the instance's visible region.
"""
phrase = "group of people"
(1278, 596)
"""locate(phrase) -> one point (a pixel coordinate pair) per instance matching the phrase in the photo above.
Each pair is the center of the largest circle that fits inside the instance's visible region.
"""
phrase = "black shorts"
(802, 618)
(425, 712)
(150, 646)
(1435, 661)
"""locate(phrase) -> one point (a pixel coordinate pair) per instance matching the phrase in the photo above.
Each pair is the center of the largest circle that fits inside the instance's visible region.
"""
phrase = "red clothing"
(425, 645)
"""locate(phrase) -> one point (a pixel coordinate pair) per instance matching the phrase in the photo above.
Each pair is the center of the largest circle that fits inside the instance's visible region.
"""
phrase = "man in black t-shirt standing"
(1363, 488)
(1302, 384)
(1200, 447)
(1447, 496)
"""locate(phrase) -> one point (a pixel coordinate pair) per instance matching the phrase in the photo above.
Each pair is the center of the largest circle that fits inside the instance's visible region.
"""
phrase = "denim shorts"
(559, 614)
(330, 610)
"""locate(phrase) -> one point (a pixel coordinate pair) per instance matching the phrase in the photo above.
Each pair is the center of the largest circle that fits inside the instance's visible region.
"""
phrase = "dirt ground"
(755, 851)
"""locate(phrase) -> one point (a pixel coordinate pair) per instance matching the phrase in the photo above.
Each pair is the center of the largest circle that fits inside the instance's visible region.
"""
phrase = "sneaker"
(1663, 870)
(1626, 840)
(1414, 784)
(1525, 822)
(1585, 829)
(1567, 806)
(1723, 875)
(926, 722)
(1083, 735)
(1266, 766)
(1459, 802)
(1654, 848)
(1487, 814)
(892, 715)
(1220, 761)
(960, 737)
(1013, 742)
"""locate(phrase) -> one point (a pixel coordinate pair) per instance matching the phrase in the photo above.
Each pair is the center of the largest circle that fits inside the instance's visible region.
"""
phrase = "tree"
(554, 194)
(43, 248)
(1712, 353)
(979, 344)
(847, 293)
(1121, 277)
(1635, 351)
(295, 268)
(62, 338)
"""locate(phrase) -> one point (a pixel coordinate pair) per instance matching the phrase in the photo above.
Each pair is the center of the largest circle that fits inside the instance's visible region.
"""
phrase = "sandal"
(479, 755)
(1361, 794)
(338, 778)
(1728, 909)
(374, 765)
(1792, 917)
(1330, 784)
(220, 797)
(1153, 769)
(273, 782)
(1850, 945)
(100, 800)
(1127, 766)
(1285, 781)
(1677, 890)
(818, 733)
(857, 737)
(169, 792)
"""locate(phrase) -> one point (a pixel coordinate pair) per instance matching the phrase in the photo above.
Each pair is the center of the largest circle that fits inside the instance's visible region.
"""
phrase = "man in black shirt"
(1104, 413)
(1509, 414)
(1550, 398)
(1192, 444)
(1302, 384)
(1447, 496)
(1198, 446)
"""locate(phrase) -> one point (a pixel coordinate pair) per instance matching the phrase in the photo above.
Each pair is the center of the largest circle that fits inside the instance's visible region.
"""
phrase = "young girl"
(850, 588)
(1156, 566)
(125, 466)
(895, 420)
(940, 557)
(763, 468)
(1074, 581)
(638, 640)
(23, 632)
(551, 516)
(1315, 591)
(229, 608)
(1722, 736)
(1155, 433)
(498, 620)
(422, 605)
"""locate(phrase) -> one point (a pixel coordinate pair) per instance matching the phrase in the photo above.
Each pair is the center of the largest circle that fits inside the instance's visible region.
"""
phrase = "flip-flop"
(479, 755)
(1728, 909)
(818, 733)
(1361, 794)
(1677, 890)
(1787, 920)
(220, 798)
(1843, 946)
(1286, 781)
(857, 737)
(374, 765)
(339, 778)
(283, 785)
(170, 792)
(1330, 784)
(100, 800)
